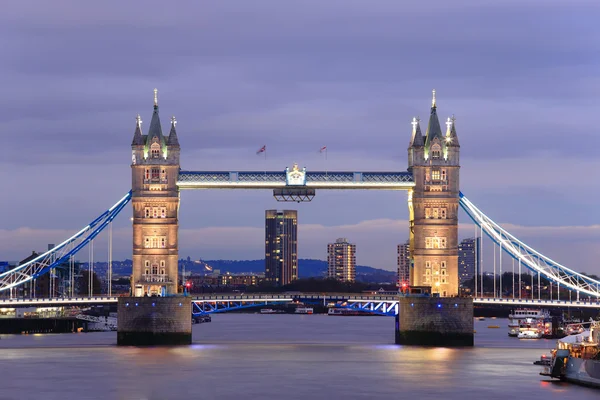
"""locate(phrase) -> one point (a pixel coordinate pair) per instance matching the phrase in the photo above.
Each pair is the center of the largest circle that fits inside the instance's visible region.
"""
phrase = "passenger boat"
(532, 317)
(345, 311)
(576, 358)
(304, 310)
(530, 334)
(270, 311)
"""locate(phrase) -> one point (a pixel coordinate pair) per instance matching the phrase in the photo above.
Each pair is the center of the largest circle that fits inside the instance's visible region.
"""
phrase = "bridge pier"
(435, 321)
(153, 321)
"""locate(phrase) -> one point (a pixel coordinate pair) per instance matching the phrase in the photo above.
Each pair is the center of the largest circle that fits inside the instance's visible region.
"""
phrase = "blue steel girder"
(219, 306)
(527, 256)
(61, 253)
(388, 308)
(277, 180)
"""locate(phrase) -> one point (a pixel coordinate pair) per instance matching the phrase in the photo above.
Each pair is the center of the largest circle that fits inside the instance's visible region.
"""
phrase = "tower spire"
(416, 139)
(137, 136)
(172, 140)
(155, 97)
(432, 100)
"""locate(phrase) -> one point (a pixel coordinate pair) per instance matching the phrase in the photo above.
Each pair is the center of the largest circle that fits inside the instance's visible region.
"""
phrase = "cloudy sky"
(520, 76)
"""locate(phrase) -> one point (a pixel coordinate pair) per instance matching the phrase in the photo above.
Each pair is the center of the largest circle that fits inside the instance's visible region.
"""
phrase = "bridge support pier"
(435, 321)
(152, 321)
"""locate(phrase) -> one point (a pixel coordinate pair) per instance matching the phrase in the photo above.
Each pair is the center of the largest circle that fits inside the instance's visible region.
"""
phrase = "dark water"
(253, 356)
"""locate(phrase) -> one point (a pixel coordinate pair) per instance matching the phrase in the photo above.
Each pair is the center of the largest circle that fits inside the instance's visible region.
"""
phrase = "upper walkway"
(305, 180)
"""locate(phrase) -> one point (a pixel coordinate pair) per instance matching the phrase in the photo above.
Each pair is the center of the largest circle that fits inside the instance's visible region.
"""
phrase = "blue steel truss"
(275, 179)
(60, 254)
(528, 257)
(200, 307)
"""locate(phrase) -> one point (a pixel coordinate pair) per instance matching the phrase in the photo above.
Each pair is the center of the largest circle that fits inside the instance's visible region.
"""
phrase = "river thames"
(254, 356)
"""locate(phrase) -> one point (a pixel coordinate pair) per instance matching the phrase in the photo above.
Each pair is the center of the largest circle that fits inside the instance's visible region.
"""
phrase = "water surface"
(254, 356)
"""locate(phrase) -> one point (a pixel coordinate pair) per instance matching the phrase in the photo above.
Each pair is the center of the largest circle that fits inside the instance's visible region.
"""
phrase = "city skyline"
(518, 105)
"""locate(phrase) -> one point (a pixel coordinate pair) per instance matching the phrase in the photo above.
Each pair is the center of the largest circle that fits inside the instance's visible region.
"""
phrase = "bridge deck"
(283, 297)
(276, 180)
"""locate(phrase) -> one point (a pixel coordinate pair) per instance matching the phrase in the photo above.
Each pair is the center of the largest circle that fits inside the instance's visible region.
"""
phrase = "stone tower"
(433, 205)
(155, 200)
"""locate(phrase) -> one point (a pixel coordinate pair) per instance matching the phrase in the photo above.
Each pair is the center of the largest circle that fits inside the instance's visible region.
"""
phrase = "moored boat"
(576, 358)
(526, 318)
(304, 310)
(346, 311)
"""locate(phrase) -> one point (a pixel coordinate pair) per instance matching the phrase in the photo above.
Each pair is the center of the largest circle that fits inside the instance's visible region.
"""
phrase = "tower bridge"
(431, 181)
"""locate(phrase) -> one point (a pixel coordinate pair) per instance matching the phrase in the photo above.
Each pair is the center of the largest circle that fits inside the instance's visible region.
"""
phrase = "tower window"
(444, 176)
(442, 213)
(436, 151)
(435, 242)
(155, 149)
(435, 175)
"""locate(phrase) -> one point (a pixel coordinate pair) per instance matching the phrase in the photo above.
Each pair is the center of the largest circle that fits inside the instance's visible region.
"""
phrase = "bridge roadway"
(364, 301)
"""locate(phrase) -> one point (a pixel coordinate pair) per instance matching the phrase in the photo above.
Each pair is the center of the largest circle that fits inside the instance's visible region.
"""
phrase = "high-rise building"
(341, 260)
(404, 264)
(433, 159)
(281, 246)
(467, 258)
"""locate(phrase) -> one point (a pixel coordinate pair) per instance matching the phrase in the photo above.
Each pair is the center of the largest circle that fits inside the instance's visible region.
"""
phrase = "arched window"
(155, 149)
(436, 151)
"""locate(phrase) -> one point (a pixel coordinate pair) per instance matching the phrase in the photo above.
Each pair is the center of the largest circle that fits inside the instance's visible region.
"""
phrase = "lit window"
(428, 243)
(435, 212)
(428, 212)
(435, 175)
(155, 174)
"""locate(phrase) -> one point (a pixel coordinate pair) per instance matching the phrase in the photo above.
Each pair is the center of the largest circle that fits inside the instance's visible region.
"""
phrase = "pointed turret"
(138, 140)
(451, 136)
(155, 130)
(173, 141)
(433, 128)
(416, 139)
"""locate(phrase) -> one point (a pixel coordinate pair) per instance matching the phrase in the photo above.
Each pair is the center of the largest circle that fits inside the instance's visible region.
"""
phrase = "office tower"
(281, 246)
(404, 264)
(467, 258)
(341, 260)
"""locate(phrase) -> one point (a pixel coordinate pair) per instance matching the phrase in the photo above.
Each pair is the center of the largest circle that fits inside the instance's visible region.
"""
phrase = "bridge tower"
(433, 160)
(155, 200)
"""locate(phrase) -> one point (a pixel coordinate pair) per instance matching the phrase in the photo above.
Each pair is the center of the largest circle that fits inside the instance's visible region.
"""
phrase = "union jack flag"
(324, 148)
(262, 149)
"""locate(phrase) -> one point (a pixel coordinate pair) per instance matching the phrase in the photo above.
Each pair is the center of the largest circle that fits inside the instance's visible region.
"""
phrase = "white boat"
(523, 317)
(304, 310)
(577, 358)
(529, 334)
(270, 311)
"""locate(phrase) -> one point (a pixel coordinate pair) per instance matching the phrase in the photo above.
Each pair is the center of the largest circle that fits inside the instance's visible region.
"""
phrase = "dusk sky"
(520, 76)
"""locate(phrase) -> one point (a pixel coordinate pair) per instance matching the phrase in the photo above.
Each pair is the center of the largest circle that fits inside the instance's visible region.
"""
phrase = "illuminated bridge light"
(439, 305)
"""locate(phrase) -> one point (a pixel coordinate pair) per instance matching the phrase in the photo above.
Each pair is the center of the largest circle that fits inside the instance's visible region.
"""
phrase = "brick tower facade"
(433, 160)
(155, 200)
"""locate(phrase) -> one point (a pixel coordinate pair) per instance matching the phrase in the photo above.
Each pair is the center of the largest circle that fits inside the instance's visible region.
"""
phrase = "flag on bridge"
(262, 150)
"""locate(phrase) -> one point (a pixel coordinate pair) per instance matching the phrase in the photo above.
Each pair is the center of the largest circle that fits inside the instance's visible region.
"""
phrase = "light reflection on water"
(255, 356)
